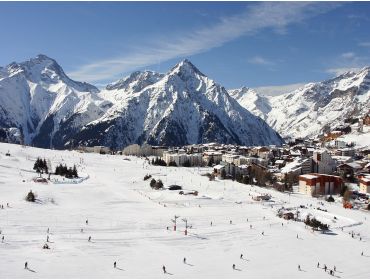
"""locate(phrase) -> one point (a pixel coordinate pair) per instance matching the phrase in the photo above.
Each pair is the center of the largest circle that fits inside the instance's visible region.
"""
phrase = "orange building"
(319, 184)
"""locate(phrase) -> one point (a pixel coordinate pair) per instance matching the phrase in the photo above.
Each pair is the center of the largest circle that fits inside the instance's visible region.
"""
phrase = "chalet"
(365, 184)
(348, 170)
(366, 120)
(288, 216)
(217, 169)
(280, 163)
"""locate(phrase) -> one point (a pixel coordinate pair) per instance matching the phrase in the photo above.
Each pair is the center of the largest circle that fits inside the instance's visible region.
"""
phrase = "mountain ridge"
(183, 106)
(313, 108)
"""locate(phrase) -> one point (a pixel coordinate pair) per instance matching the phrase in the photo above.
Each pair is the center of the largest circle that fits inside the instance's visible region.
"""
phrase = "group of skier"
(331, 271)
(2, 206)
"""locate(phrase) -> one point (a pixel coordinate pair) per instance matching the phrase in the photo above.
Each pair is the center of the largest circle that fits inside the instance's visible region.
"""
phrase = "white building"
(181, 158)
(143, 150)
(229, 158)
(132, 150)
(323, 163)
(215, 156)
(339, 144)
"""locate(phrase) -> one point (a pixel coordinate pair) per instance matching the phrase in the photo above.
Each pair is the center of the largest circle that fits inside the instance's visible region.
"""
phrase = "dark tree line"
(316, 224)
(156, 184)
(172, 163)
(158, 161)
(63, 170)
(40, 166)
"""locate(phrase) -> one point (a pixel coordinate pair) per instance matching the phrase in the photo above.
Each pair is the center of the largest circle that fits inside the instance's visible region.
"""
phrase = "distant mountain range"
(313, 108)
(40, 105)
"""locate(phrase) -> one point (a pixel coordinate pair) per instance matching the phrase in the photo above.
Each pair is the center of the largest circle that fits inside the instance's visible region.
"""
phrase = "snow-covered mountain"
(41, 105)
(313, 108)
(181, 107)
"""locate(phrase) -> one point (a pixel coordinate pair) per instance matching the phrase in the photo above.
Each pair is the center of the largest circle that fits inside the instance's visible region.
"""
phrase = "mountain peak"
(136, 81)
(185, 67)
(43, 57)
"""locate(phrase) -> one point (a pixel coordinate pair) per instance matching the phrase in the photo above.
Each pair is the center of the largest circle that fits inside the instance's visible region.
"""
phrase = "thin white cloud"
(259, 60)
(341, 70)
(273, 15)
(346, 62)
(348, 55)
(364, 44)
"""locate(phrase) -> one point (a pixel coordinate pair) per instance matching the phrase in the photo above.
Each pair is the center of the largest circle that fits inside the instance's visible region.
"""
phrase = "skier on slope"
(241, 256)
(115, 264)
(25, 265)
(184, 260)
(164, 269)
(234, 266)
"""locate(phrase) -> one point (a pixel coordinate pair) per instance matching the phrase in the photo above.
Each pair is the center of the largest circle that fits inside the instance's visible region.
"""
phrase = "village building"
(212, 156)
(131, 150)
(339, 144)
(158, 151)
(181, 158)
(345, 152)
(319, 184)
(348, 170)
(323, 163)
(365, 184)
(95, 149)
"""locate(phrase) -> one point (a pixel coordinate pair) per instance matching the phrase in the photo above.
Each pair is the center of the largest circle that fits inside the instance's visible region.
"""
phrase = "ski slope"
(127, 222)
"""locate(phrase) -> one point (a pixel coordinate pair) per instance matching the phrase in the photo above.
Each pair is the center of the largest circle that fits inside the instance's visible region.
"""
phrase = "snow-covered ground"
(360, 139)
(127, 222)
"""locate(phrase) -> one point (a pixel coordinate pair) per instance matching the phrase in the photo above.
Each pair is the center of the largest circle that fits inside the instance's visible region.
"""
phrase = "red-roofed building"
(320, 184)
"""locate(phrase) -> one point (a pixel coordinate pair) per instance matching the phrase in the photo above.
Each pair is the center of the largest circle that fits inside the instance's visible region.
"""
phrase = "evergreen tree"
(158, 184)
(74, 172)
(37, 166)
(152, 183)
(223, 173)
(172, 163)
(31, 197)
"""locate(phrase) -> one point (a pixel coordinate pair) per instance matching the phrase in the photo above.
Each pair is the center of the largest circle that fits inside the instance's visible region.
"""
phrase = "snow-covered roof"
(353, 165)
(219, 166)
(365, 179)
(309, 176)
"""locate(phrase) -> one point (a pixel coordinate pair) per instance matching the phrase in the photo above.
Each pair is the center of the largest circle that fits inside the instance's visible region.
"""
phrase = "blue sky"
(235, 43)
